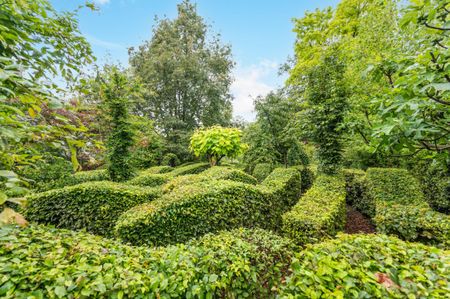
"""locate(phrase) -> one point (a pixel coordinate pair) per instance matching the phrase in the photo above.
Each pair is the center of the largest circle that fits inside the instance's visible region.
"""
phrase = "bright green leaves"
(216, 143)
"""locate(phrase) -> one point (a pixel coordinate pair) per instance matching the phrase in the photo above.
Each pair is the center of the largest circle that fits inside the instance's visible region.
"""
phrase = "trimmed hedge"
(262, 170)
(149, 180)
(319, 214)
(400, 208)
(189, 169)
(157, 170)
(93, 206)
(42, 262)
(368, 266)
(285, 184)
(213, 173)
(74, 179)
(355, 180)
(193, 210)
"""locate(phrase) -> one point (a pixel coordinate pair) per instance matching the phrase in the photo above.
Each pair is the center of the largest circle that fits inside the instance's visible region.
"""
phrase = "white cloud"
(101, 2)
(250, 82)
(104, 44)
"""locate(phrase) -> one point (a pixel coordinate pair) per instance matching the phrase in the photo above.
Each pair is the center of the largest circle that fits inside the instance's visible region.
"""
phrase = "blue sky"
(260, 33)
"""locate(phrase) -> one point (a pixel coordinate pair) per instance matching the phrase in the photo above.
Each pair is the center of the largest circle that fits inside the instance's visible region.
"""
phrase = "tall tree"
(186, 74)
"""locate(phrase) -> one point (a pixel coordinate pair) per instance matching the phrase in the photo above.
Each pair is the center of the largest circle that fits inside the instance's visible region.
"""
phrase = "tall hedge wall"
(285, 184)
(42, 262)
(94, 206)
(193, 210)
(393, 198)
(320, 213)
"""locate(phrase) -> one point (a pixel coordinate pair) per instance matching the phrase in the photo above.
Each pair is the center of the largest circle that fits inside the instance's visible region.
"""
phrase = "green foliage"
(216, 143)
(93, 206)
(413, 223)
(149, 180)
(285, 184)
(157, 170)
(37, 44)
(47, 172)
(120, 138)
(189, 169)
(319, 214)
(170, 159)
(193, 210)
(262, 170)
(398, 207)
(74, 179)
(355, 185)
(326, 97)
(235, 264)
(368, 266)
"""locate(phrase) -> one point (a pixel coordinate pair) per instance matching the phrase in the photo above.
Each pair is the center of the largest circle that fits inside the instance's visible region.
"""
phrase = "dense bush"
(193, 210)
(171, 160)
(400, 207)
(307, 178)
(157, 170)
(320, 213)
(189, 169)
(286, 186)
(94, 206)
(47, 172)
(42, 262)
(262, 170)
(355, 186)
(229, 173)
(368, 266)
(74, 179)
(149, 180)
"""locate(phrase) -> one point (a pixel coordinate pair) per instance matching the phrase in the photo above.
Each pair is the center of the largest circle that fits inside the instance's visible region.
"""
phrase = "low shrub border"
(319, 214)
(368, 266)
(42, 262)
(93, 206)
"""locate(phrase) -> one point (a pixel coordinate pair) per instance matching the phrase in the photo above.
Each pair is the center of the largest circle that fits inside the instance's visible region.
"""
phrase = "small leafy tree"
(217, 142)
(120, 138)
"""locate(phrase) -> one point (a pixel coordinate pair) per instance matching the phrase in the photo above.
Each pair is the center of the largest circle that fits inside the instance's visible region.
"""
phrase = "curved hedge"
(74, 179)
(157, 170)
(149, 180)
(400, 208)
(94, 206)
(368, 266)
(320, 213)
(285, 184)
(189, 169)
(193, 210)
(42, 262)
(262, 170)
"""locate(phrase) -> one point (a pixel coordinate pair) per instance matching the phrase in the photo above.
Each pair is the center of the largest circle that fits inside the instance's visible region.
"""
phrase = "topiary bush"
(149, 180)
(368, 266)
(193, 210)
(399, 208)
(286, 186)
(74, 179)
(189, 169)
(320, 213)
(355, 184)
(157, 170)
(43, 262)
(93, 206)
(262, 170)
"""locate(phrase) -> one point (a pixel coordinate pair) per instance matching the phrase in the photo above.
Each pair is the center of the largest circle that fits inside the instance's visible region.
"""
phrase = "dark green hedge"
(157, 170)
(320, 213)
(94, 206)
(400, 207)
(149, 180)
(262, 170)
(193, 210)
(355, 184)
(189, 169)
(42, 262)
(74, 179)
(285, 184)
(368, 266)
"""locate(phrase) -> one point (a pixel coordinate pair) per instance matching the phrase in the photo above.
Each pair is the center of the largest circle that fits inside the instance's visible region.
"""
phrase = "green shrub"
(44, 174)
(91, 176)
(193, 210)
(413, 223)
(400, 207)
(307, 178)
(355, 184)
(229, 173)
(262, 170)
(149, 180)
(368, 266)
(319, 214)
(157, 170)
(189, 169)
(42, 262)
(171, 160)
(286, 185)
(93, 206)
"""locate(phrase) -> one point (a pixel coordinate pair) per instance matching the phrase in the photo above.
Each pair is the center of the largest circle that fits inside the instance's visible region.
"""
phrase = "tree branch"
(438, 100)
(437, 28)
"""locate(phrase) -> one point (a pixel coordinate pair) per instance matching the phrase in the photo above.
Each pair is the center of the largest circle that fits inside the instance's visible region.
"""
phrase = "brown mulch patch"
(357, 223)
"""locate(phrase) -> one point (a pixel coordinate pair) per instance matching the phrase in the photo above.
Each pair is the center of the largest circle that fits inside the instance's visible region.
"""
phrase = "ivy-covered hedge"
(400, 208)
(355, 182)
(320, 213)
(42, 262)
(94, 206)
(368, 266)
(193, 210)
